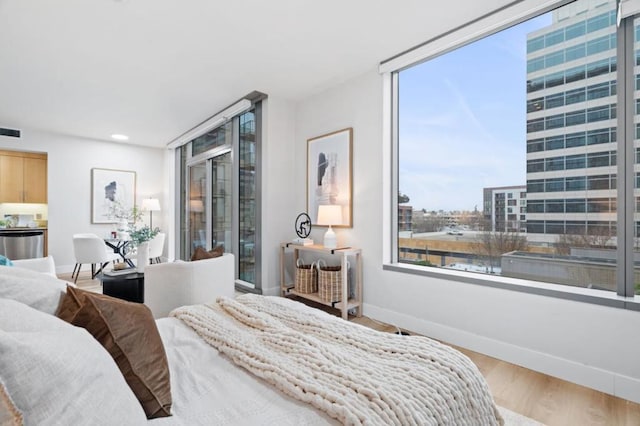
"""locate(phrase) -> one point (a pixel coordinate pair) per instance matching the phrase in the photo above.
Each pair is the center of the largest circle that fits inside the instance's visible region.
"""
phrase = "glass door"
(209, 211)
(247, 198)
(196, 215)
(221, 202)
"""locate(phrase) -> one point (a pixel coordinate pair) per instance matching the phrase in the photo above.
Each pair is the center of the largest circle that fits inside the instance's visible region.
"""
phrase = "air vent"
(9, 132)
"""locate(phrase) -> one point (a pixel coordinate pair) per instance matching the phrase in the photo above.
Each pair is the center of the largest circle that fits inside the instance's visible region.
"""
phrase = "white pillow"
(40, 291)
(56, 373)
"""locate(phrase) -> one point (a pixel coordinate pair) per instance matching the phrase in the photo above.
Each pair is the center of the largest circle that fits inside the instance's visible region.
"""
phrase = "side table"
(127, 287)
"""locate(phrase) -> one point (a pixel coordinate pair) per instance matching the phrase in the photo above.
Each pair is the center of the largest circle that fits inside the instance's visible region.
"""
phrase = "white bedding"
(209, 389)
(348, 371)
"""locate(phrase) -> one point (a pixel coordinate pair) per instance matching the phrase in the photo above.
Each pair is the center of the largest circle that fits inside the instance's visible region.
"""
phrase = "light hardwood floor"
(546, 399)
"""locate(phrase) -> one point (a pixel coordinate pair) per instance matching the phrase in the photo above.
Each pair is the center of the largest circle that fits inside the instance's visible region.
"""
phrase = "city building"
(571, 121)
(505, 208)
(405, 214)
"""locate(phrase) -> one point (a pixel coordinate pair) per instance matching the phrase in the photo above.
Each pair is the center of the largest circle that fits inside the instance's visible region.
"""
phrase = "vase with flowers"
(140, 237)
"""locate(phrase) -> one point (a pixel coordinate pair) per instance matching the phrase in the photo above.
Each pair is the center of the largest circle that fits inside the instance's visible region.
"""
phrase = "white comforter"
(354, 374)
(208, 389)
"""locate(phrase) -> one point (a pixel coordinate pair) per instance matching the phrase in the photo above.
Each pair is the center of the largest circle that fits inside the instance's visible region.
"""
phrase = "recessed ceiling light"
(120, 137)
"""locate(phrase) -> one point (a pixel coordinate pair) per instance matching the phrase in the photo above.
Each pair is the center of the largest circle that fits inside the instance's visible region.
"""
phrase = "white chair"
(173, 284)
(156, 247)
(89, 248)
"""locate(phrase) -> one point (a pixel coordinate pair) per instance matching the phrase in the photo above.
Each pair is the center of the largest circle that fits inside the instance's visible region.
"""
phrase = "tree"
(402, 198)
(492, 245)
(598, 238)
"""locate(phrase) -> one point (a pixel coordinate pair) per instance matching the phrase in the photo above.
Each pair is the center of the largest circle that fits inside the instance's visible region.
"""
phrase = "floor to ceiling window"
(509, 150)
(219, 181)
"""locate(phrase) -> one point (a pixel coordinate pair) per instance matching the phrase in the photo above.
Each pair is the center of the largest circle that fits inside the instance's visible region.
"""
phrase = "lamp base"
(330, 240)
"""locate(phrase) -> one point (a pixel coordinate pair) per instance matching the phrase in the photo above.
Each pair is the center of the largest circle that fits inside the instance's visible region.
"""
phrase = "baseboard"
(592, 377)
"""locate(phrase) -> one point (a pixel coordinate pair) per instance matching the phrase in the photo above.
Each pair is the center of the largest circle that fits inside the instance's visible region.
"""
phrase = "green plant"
(3, 222)
(142, 234)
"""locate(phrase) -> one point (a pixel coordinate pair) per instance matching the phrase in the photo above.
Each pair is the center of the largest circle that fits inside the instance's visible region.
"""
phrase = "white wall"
(278, 187)
(70, 161)
(588, 344)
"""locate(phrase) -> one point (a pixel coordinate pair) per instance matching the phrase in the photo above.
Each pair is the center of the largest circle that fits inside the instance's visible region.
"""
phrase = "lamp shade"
(196, 206)
(329, 214)
(151, 204)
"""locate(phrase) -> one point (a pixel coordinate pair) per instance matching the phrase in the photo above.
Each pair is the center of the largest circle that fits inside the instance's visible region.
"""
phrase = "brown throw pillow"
(70, 304)
(128, 332)
(200, 253)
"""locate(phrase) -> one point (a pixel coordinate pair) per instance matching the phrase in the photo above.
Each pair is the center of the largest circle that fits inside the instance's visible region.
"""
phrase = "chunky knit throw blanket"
(354, 374)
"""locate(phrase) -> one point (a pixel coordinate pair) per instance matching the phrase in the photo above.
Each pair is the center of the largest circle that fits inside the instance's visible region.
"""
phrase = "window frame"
(484, 26)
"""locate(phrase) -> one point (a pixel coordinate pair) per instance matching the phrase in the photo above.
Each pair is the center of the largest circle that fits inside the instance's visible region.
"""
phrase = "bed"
(249, 360)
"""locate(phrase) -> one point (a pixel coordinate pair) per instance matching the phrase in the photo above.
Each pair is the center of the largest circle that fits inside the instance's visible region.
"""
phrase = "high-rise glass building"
(571, 122)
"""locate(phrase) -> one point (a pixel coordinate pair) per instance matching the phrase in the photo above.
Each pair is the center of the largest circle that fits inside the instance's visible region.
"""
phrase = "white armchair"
(46, 265)
(170, 285)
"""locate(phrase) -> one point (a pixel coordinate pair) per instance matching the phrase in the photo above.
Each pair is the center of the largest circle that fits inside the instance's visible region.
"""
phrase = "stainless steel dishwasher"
(22, 244)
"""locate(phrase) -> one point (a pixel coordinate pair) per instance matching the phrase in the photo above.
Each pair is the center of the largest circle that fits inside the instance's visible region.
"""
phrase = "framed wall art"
(329, 174)
(111, 189)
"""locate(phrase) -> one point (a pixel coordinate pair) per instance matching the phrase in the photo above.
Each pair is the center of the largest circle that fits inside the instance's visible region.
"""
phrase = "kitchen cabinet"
(23, 177)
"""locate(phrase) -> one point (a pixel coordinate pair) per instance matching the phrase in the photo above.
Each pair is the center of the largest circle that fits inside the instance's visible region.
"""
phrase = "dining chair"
(89, 248)
(156, 247)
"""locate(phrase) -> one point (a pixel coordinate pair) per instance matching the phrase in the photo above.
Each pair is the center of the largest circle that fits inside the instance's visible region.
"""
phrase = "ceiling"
(153, 69)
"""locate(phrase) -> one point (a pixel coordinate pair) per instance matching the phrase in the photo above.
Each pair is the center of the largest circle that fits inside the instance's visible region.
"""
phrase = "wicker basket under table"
(306, 278)
(329, 283)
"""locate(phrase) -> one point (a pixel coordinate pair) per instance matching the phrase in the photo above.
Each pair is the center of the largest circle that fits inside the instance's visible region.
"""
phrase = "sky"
(462, 124)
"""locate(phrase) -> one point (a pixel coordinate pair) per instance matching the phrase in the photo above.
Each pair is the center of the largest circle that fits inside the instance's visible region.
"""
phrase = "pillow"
(200, 253)
(128, 332)
(40, 291)
(54, 372)
(5, 261)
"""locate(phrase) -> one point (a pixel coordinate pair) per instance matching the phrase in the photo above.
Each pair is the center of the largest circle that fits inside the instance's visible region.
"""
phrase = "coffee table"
(127, 286)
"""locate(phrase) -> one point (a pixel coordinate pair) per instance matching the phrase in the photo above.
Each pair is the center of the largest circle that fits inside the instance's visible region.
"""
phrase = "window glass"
(554, 37)
(575, 117)
(535, 44)
(554, 142)
(573, 31)
(554, 163)
(598, 45)
(574, 74)
(535, 104)
(575, 96)
(553, 59)
(575, 52)
(598, 68)
(217, 137)
(553, 101)
(575, 139)
(576, 161)
(537, 123)
(535, 145)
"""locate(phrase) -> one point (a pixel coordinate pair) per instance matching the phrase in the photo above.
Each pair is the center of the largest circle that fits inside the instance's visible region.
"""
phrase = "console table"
(344, 253)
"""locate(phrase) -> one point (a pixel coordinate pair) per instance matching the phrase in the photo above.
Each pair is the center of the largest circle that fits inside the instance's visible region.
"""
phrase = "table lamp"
(330, 215)
(151, 205)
